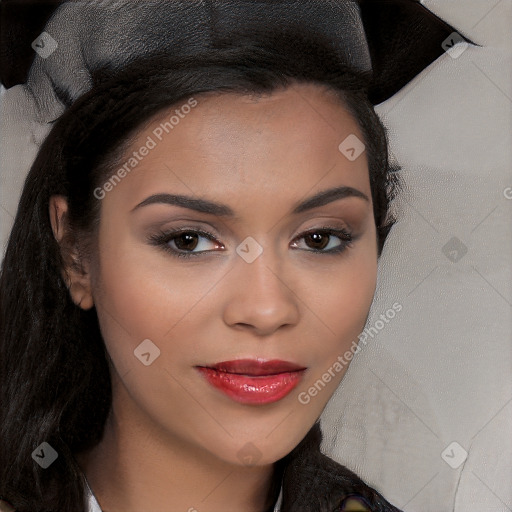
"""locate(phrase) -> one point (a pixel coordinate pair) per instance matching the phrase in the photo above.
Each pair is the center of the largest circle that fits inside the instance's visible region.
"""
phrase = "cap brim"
(404, 37)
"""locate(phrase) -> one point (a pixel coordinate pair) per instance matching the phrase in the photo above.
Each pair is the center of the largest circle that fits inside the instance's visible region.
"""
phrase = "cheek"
(343, 307)
(137, 297)
(339, 302)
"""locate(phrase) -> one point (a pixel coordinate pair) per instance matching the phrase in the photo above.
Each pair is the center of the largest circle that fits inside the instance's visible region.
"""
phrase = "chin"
(266, 447)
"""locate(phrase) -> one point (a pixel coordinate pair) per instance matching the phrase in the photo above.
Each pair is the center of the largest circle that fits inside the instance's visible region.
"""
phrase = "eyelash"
(163, 238)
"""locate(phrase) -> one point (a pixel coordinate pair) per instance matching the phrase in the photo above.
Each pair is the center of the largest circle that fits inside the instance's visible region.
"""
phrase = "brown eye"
(325, 240)
(317, 241)
(186, 241)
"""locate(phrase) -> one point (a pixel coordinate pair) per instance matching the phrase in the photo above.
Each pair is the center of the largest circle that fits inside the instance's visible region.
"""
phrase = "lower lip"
(246, 389)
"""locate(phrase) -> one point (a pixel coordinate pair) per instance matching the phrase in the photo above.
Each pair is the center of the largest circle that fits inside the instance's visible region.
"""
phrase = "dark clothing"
(313, 482)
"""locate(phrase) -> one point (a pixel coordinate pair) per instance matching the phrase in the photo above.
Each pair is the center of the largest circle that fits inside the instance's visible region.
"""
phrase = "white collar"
(93, 505)
(279, 502)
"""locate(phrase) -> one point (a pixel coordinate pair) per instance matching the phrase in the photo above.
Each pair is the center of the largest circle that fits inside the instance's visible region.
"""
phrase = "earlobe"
(81, 294)
(76, 278)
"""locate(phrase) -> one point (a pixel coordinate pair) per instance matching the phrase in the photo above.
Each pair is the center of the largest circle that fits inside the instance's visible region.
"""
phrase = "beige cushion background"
(440, 370)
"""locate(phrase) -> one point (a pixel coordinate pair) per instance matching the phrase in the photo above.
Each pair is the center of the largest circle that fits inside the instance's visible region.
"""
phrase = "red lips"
(254, 381)
(255, 367)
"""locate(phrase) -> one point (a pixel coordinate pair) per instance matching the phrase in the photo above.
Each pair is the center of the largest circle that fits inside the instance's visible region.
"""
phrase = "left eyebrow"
(204, 206)
(328, 196)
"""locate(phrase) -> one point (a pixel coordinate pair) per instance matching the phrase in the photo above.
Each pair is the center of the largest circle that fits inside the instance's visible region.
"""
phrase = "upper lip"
(256, 367)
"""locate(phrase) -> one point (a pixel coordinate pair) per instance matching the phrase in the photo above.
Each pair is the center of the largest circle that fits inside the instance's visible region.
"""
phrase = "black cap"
(395, 39)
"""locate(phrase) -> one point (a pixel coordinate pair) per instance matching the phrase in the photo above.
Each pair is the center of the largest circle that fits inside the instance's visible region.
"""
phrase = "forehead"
(287, 142)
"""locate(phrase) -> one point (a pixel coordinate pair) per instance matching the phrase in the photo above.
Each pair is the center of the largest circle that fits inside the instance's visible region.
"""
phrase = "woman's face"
(240, 176)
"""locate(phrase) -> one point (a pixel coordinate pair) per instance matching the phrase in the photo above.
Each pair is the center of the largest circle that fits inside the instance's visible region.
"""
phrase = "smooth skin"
(173, 442)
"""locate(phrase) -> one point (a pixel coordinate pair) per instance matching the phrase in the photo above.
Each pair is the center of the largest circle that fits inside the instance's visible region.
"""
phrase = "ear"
(75, 273)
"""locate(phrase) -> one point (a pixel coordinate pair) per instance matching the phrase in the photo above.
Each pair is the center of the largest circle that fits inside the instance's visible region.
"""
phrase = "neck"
(132, 470)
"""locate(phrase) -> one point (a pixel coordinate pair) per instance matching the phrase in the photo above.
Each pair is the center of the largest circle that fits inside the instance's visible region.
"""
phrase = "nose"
(260, 296)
